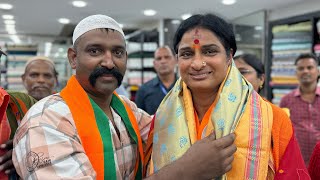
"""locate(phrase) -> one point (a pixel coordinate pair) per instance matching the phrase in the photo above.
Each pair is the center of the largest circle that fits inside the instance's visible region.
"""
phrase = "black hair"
(166, 47)
(215, 24)
(307, 56)
(252, 61)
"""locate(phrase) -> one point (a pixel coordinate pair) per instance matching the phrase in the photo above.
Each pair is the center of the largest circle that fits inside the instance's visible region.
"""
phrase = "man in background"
(13, 106)
(304, 104)
(150, 94)
(40, 77)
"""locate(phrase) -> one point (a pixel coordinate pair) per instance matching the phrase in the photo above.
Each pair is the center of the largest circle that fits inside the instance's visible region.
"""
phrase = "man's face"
(307, 71)
(164, 61)
(100, 60)
(39, 79)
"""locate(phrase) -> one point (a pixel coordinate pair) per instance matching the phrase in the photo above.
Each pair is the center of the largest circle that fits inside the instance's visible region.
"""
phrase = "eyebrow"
(100, 45)
(210, 45)
(204, 46)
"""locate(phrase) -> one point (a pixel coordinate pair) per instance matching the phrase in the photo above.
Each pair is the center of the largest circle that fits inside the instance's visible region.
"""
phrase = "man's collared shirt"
(150, 95)
(305, 118)
(50, 126)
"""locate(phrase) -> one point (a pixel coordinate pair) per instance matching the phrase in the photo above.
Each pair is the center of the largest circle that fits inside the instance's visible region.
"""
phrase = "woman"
(252, 69)
(212, 97)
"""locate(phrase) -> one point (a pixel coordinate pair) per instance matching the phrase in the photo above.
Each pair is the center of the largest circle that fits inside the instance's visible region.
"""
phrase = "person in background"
(252, 69)
(13, 106)
(314, 165)
(304, 104)
(40, 77)
(89, 132)
(212, 97)
(150, 94)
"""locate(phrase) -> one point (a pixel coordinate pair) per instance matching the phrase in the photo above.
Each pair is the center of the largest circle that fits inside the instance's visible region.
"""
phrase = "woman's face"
(250, 74)
(202, 59)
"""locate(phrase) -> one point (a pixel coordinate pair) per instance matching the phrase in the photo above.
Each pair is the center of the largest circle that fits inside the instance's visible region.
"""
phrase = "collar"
(297, 91)
(156, 81)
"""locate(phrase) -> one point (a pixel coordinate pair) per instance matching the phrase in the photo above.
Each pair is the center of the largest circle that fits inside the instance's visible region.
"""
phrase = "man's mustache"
(100, 71)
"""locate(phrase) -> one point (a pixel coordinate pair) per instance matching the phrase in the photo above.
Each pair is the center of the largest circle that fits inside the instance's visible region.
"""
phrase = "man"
(150, 94)
(304, 104)
(87, 131)
(40, 77)
(13, 106)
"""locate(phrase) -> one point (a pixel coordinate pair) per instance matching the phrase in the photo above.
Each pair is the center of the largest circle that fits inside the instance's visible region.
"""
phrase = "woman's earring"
(261, 86)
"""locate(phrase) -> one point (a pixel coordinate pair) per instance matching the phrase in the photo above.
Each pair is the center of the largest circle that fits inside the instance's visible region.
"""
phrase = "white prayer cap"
(95, 22)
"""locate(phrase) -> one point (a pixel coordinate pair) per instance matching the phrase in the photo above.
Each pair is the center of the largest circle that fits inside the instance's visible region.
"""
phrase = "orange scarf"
(84, 116)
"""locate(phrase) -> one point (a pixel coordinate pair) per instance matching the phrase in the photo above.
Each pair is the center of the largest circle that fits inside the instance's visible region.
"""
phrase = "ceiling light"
(5, 6)
(9, 22)
(79, 4)
(149, 12)
(175, 21)
(7, 17)
(64, 21)
(228, 2)
(185, 16)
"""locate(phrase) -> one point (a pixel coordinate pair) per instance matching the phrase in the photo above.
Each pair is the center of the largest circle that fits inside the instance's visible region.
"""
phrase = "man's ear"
(23, 77)
(72, 57)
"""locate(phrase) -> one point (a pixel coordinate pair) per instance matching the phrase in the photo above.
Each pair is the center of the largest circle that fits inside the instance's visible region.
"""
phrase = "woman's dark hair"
(215, 24)
(252, 61)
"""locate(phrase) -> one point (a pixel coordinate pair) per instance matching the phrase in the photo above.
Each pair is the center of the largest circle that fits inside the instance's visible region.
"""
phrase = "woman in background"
(252, 69)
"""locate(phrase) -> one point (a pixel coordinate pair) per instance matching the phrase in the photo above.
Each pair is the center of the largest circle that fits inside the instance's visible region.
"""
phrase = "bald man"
(150, 94)
(40, 77)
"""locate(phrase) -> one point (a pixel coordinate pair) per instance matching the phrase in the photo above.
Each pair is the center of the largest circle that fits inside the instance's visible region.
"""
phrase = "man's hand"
(206, 159)
(6, 164)
(209, 158)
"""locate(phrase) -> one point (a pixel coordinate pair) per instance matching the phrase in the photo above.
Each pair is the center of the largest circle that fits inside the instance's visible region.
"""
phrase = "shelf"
(143, 36)
(141, 46)
(288, 38)
(139, 54)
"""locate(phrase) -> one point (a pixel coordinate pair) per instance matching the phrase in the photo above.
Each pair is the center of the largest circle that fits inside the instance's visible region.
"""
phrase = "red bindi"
(196, 41)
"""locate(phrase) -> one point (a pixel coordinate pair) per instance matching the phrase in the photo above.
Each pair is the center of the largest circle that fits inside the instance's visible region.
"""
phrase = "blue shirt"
(150, 95)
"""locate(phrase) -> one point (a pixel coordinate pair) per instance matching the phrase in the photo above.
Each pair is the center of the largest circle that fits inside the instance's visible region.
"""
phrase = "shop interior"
(275, 31)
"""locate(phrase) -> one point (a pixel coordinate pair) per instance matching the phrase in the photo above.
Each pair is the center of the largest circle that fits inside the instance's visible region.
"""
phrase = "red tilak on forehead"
(196, 38)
